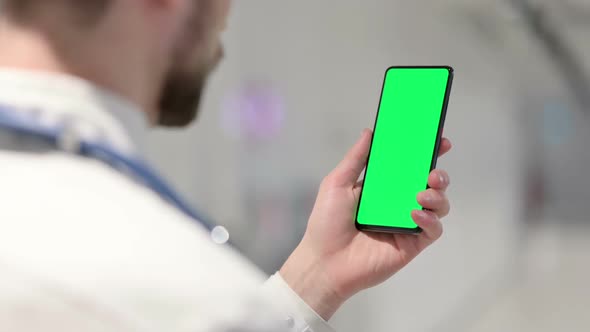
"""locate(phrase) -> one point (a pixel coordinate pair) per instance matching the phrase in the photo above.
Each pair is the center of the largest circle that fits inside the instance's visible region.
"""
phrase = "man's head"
(157, 52)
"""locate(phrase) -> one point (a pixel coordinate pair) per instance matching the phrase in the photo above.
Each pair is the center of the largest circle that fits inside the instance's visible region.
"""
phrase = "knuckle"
(440, 233)
(447, 177)
(327, 180)
(437, 196)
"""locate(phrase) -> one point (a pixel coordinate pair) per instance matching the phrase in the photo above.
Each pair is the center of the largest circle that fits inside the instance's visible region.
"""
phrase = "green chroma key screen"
(402, 154)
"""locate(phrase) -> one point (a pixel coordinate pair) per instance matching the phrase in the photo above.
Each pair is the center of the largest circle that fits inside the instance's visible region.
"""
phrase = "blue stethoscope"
(61, 137)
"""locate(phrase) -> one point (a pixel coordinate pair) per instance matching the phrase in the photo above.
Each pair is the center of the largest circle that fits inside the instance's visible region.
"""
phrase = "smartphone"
(404, 149)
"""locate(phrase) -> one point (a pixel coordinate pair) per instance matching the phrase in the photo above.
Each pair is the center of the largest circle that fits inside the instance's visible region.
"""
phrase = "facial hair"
(185, 82)
(181, 98)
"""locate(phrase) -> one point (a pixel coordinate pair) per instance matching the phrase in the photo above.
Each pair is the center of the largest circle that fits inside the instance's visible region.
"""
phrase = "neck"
(34, 49)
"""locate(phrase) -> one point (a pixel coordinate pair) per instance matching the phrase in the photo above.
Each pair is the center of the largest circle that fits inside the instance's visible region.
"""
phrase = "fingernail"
(442, 179)
(421, 215)
(427, 197)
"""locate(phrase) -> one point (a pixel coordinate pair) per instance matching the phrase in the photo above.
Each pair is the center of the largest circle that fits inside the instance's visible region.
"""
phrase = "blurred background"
(302, 79)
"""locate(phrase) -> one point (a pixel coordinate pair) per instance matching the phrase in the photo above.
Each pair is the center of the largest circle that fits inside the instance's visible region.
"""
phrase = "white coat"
(81, 244)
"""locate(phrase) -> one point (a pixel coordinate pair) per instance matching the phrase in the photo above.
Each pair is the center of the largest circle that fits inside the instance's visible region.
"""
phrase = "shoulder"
(83, 217)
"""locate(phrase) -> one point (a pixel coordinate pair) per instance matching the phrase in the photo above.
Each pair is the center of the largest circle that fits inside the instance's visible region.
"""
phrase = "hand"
(334, 260)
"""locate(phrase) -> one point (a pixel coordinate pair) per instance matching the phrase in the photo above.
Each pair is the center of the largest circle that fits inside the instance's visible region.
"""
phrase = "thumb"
(350, 168)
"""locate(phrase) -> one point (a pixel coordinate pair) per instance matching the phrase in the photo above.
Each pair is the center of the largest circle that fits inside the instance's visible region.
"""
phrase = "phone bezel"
(401, 230)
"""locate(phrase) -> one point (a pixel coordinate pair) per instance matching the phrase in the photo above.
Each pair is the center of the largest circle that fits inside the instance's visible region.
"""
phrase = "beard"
(183, 90)
(196, 57)
(181, 98)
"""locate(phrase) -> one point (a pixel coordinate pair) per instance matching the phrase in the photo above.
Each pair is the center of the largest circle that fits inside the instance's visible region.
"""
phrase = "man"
(80, 240)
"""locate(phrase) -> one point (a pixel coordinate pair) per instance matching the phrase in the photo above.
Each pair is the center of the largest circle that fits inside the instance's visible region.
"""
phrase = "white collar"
(95, 112)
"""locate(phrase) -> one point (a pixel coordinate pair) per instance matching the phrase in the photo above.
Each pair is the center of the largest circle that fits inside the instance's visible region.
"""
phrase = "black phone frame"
(400, 230)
